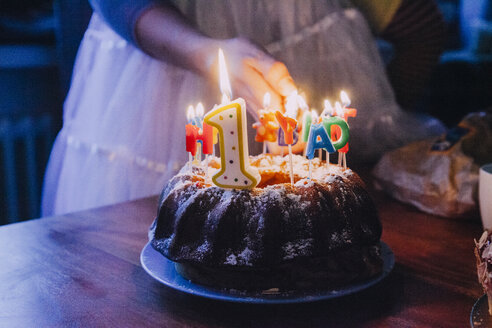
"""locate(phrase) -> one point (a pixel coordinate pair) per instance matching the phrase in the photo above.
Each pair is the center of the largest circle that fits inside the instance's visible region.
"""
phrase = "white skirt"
(123, 134)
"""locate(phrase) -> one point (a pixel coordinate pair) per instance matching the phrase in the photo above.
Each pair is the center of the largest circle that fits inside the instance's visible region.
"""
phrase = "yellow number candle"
(230, 120)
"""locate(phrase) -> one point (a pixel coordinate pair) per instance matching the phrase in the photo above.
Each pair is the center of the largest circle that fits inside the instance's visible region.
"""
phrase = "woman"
(141, 63)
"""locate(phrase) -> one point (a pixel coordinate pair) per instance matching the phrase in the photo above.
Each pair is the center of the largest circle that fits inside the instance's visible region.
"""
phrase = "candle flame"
(339, 109)
(190, 113)
(302, 103)
(314, 116)
(328, 108)
(291, 105)
(345, 98)
(199, 110)
(225, 84)
(267, 99)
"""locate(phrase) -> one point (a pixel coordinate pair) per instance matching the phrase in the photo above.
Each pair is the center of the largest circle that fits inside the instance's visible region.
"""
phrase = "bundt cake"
(319, 232)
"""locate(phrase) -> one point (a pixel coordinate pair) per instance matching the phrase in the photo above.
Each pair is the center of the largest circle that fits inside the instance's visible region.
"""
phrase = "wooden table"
(83, 270)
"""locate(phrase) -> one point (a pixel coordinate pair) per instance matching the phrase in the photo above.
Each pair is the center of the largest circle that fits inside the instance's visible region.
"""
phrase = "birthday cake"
(268, 222)
(321, 231)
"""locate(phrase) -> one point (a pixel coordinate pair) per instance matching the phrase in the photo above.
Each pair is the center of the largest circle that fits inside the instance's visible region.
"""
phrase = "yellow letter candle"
(230, 121)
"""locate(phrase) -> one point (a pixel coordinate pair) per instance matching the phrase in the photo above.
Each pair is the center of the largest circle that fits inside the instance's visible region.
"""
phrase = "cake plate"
(162, 270)
(480, 316)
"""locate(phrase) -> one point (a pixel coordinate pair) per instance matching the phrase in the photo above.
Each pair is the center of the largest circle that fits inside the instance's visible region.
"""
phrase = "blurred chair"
(38, 43)
(24, 147)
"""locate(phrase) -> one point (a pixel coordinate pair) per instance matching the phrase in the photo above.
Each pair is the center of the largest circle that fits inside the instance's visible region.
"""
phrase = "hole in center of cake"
(269, 178)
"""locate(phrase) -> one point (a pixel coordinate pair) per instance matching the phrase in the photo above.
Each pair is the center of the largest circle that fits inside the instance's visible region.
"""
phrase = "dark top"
(122, 15)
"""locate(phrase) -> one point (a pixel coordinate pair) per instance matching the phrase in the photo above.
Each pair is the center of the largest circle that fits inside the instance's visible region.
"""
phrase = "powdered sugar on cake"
(295, 209)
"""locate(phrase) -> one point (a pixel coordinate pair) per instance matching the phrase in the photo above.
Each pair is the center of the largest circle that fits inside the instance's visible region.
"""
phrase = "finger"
(252, 104)
(259, 86)
(275, 73)
(279, 78)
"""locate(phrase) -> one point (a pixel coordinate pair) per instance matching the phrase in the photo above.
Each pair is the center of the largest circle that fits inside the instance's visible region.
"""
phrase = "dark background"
(39, 41)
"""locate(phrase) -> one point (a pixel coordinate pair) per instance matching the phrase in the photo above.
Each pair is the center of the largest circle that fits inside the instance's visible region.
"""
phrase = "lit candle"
(292, 104)
(306, 125)
(291, 110)
(345, 113)
(191, 138)
(190, 132)
(190, 114)
(230, 120)
(344, 98)
(335, 131)
(199, 115)
(327, 108)
(344, 134)
(281, 138)
(288, 126)
(194, 134)
(266, 128)
(318, 139)
(302, 104)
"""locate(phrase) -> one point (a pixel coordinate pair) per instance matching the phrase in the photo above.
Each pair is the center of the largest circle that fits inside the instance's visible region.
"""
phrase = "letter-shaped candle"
(266, 129)
(306, 125)
(281, 138)
(318, 138)
(230, 121)
(288, 126)
(345, 113)
(344, 135)
(191, 137)
(205, 136)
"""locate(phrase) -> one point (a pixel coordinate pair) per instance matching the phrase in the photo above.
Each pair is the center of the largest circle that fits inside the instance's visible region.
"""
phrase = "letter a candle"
(230, 120)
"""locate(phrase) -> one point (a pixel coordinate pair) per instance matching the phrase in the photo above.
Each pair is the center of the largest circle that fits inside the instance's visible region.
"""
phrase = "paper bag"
(440, 176)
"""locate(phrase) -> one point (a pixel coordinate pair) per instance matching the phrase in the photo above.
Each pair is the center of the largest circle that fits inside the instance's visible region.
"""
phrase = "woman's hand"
(253, 72)
(164, 33)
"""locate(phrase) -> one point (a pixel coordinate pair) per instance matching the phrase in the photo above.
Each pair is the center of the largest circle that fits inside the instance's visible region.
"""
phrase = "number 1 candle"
(230, 120)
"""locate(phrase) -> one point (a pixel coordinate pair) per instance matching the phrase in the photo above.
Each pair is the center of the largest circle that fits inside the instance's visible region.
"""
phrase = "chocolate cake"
(319, 232)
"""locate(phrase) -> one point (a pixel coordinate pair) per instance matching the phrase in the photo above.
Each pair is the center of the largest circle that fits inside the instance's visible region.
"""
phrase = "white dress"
(123, 134)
